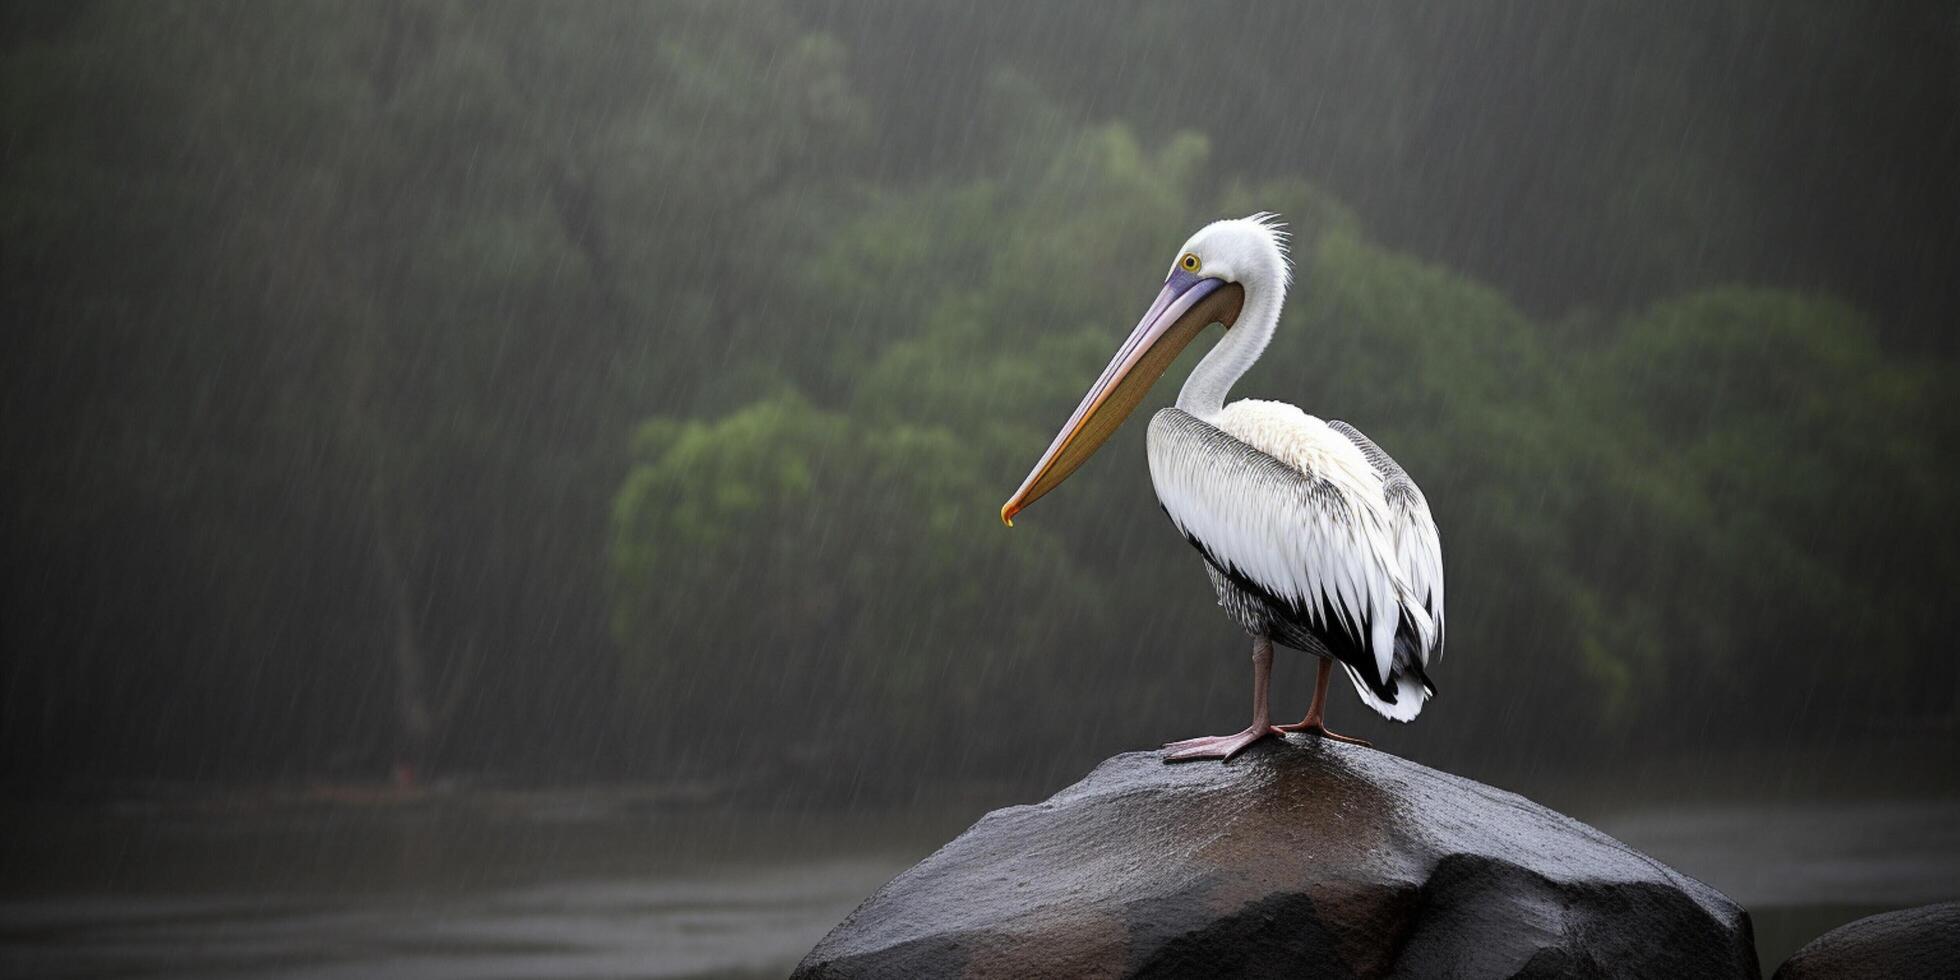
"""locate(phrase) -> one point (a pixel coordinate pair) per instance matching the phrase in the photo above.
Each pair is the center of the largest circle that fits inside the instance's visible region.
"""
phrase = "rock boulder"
(1903, 945)
(1298, 858)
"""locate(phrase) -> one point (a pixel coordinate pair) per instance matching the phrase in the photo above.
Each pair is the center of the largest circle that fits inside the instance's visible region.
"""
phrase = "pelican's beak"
(1188, 304)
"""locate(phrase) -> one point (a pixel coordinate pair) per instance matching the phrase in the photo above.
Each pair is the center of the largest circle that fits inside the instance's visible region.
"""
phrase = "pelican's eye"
(1189, 262)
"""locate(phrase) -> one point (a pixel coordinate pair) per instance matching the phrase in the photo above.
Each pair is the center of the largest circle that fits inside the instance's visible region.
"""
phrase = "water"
(566, 885)
(745, 922)
(1803, 869)
(594, 884)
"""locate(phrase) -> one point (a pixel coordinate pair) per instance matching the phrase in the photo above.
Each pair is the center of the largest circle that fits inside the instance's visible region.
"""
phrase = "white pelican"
(1312, 535)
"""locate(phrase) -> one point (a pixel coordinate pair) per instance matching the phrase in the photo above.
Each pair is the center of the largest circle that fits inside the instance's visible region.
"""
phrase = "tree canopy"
(576, 389)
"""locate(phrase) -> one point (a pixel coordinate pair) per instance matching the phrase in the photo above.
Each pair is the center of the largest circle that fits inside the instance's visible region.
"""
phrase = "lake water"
(592, 884)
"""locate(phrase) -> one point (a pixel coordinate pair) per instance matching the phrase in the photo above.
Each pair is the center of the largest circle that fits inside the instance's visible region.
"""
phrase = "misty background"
(533, 397)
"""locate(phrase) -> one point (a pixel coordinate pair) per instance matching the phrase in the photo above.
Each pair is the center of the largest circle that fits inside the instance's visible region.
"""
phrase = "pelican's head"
(1207, 283)
(1250, 251)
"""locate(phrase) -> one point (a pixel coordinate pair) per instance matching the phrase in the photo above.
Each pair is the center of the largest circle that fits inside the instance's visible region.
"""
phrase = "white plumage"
(1359, 551)
(1329, 543)
(1312, 535)
(1418, 546)
(1332, 555)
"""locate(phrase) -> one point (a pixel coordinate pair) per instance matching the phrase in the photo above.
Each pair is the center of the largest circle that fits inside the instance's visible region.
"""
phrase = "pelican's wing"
(1317, 543)
(1418, 548)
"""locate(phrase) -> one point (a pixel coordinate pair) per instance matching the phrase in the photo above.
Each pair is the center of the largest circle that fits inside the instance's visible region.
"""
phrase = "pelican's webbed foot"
(1216, 746)
(1312, 723)
(1314, 727)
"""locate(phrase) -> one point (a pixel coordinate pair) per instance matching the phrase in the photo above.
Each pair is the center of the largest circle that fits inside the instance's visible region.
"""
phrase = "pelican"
(1313, 537)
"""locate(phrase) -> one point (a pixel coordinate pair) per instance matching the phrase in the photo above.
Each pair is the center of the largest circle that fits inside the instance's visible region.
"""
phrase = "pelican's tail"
(1413, 638)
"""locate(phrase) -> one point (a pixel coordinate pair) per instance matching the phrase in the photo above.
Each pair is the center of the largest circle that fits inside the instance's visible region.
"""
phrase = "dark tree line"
(623, 388)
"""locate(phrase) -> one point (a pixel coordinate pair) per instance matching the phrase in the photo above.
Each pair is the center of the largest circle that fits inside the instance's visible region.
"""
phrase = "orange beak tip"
(1007, 514)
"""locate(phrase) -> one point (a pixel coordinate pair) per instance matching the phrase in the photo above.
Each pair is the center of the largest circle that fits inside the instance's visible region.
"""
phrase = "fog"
(537, 466)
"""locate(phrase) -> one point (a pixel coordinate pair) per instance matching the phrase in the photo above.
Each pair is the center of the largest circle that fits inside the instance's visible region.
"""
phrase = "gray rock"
(1902, 945)
(1299, 858)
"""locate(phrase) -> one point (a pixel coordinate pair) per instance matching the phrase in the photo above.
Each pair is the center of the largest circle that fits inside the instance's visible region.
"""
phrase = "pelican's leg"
(1312, 722)
(1227, 746)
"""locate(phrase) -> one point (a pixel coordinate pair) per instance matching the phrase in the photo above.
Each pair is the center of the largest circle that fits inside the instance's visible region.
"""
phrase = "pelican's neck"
(1235, 353)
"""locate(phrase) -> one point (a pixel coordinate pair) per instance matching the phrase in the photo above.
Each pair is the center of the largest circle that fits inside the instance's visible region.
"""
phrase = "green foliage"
(670, 362)
(1783, 483)
(370, 300)
(807, 540)
(1656, 508)
(758, 467)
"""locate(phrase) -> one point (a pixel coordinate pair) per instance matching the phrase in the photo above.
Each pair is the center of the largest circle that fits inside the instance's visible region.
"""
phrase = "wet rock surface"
(1299, 858)
(1908, 944)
